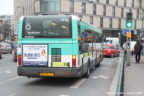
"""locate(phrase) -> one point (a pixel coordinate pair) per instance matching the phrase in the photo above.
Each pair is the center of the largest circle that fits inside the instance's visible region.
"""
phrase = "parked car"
(110, 50)
(6, 48)
(0, 52)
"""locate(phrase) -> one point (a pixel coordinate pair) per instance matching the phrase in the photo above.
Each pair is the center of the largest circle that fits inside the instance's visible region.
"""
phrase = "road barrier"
(117, 85)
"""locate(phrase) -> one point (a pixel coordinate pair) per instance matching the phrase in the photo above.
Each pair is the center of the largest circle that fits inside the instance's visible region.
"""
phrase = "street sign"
(129, 35)
(125, 31)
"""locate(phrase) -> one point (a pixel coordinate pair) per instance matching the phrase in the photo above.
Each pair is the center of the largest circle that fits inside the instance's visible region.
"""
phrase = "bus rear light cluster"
(19, 60)
(74, 60)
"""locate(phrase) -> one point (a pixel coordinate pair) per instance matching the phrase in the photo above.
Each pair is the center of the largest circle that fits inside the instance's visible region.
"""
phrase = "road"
(97, 84)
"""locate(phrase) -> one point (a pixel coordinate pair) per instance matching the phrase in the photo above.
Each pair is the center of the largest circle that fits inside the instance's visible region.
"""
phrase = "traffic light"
(132, 35)
(16, 38)
(129, 19)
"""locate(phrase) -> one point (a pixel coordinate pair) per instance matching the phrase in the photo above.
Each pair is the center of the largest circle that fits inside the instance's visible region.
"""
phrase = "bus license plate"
(46, 74)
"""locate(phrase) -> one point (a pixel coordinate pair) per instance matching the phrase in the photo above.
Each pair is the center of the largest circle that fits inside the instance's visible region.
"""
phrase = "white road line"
(100, 77)
(8, 71)
(13, 94)
(105, 68)
(78, 83)
(9, 80)
(95, 77)
(64, 95)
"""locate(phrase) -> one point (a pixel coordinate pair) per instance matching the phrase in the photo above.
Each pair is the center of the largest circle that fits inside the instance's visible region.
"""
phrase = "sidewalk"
(134, 78)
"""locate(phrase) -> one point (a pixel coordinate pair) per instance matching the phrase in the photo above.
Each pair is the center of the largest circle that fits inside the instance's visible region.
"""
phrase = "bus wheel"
(98, 64)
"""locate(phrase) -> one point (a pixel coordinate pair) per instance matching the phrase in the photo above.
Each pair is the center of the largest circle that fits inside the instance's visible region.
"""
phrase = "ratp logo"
(28, 27)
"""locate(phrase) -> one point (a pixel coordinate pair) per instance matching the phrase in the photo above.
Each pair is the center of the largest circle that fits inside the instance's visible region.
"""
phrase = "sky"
(6, 7)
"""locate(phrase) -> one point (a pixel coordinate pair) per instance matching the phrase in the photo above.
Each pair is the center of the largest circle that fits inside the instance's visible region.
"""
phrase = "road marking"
(100, 77)
(78, 83)
(13, 94)
(9, 80)
(95, 77)
(104, 68)
(64, 95)
(8, 71)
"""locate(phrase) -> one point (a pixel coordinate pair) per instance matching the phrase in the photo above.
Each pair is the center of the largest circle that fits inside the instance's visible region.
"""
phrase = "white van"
(113, 40)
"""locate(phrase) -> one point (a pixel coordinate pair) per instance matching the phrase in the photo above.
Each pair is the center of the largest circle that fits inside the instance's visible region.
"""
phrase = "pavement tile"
(134, 78)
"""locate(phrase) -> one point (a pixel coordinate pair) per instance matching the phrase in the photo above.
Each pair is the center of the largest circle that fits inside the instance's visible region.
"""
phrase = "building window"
(101, 22)
(71, 6)
(137, 13)
(104, 8)
(83, 7)
(91, 20)
(135, 24)
(122, 12)
(116, 2)
(113, 11)
(132, 3)
(94, 9)
(125, 3)
(110, 22)
(119, 26)
(107, 1)
(49, 5)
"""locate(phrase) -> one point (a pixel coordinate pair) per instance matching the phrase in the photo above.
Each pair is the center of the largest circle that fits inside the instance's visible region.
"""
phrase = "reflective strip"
(60, 64)
(90, 53)
(86, 55)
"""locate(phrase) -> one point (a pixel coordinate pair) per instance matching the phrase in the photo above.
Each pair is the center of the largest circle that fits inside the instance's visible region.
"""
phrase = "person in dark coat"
(137, 49)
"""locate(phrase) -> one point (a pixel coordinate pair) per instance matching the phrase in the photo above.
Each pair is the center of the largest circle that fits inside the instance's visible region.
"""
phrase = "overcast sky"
(6, 7)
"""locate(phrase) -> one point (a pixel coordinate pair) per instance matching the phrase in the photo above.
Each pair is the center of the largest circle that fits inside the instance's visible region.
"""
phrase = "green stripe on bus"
(86, 54)
(60, 64)
(90, 53)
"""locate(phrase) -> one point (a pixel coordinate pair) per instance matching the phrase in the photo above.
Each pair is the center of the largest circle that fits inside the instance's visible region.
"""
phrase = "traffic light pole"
(128, 51)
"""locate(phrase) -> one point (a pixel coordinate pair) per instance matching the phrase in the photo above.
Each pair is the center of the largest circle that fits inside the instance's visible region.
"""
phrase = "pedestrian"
(137, 49)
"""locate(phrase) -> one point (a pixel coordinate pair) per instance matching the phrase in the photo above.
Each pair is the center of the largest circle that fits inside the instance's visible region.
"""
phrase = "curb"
(116, 82)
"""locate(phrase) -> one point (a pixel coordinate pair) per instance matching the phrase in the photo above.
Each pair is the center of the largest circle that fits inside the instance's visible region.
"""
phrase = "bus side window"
(83, 46)
(96, 38)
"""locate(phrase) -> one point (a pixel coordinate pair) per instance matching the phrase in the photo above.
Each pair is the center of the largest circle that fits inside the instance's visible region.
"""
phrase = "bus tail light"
(19, 60)
(74, 60)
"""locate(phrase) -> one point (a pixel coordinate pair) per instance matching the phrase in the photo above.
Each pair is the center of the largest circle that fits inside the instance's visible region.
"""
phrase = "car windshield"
(106, 47)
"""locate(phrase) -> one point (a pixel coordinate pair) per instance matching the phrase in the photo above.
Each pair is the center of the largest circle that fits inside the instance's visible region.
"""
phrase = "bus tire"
(86, 75)
(98, 64)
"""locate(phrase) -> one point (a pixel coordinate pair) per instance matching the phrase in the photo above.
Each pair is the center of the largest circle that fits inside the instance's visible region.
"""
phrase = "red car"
(110, 50)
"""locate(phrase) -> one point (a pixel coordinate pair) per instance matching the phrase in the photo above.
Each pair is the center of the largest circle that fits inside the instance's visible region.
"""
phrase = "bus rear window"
(47, 27)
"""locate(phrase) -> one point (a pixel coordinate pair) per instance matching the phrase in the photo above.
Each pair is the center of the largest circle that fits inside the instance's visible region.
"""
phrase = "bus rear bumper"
(57, 72)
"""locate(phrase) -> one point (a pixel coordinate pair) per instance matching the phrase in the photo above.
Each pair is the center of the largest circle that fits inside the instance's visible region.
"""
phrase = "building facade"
(6, 27)
(109, 15)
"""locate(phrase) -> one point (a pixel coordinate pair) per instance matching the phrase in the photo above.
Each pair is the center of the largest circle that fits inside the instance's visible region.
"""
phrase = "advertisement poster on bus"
(35, 55)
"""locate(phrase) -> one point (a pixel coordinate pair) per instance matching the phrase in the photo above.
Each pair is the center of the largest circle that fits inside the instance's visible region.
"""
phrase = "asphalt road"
(97, 84)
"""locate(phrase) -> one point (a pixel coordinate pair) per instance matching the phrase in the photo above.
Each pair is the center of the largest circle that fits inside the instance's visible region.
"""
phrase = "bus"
(58, 46)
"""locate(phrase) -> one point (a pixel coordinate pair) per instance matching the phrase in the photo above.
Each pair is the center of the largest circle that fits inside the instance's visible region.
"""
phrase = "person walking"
(137, 49)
